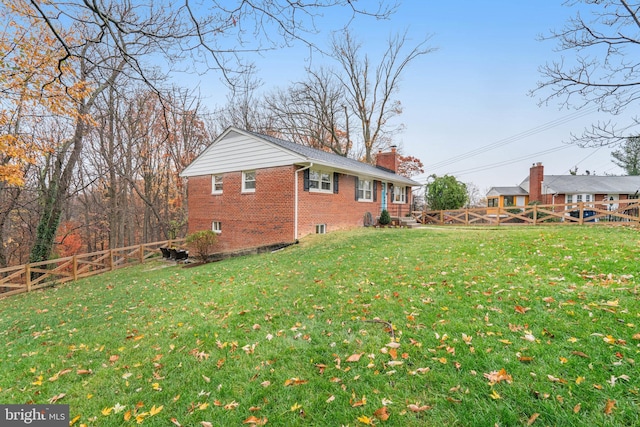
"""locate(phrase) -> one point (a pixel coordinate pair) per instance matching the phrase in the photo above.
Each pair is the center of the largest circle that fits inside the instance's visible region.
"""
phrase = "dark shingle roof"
(346, 164)
(593, 184)
(508, 191)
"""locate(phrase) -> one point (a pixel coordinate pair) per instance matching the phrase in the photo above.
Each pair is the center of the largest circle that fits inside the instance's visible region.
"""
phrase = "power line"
(514, 138)
(508, 162)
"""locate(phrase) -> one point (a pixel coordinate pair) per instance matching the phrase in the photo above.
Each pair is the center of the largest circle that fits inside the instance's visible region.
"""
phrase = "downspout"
(295, 201)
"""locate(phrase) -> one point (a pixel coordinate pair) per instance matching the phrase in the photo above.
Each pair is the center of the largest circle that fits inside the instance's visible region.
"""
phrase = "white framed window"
(399, 194)
(320, 180)
(586, 197)
(216, 227)
(321, 228)
(216, 184)
(365, 190)
(249, 181)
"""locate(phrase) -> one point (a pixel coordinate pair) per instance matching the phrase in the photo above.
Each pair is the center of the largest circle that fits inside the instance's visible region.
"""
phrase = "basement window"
(216, 227)
(321, 228)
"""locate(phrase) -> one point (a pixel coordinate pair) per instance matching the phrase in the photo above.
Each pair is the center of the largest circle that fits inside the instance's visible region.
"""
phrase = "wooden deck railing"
(28, 277)
(606, 212)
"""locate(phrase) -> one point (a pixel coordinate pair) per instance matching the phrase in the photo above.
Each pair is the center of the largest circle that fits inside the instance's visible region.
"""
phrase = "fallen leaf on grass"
(365, 420)
(206, 424)
(580, 354)
(576, 408)
(360, 402)
(497, 376)
(417, 408)
(494, 395)
(255, 421)
(231, 406)
(609, 407)
(556, 379)
(54, 399)
(520, 309)
(532, 419)
(155, 410)
(294, 381)
(354, 357)
(382, 414)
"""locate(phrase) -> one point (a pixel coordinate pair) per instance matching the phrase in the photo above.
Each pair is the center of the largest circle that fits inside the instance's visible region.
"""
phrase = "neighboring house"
(564, 189)
(256, 190)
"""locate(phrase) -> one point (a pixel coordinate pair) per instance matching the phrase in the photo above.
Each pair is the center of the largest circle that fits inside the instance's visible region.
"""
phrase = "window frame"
(215, 182)
(493, 202)
(246, 189)
(216, 227)
(402, 193)
(316, 185)
(362, 191)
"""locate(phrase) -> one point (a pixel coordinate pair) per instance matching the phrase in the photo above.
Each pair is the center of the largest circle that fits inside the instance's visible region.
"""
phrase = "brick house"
(256, 190)
(564, 189)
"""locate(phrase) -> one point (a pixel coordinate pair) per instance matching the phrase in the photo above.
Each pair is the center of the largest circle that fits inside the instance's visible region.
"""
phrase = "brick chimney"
(536, 175)
(388, 160)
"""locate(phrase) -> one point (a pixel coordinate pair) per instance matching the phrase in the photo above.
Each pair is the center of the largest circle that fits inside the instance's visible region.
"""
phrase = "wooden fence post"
(27, 276)
(535, 214)
(75, 268)
(141, 254)
(110, 259)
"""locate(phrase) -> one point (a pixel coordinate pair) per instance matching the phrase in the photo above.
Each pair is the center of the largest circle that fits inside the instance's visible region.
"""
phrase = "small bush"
(385, 218)
(202, 243)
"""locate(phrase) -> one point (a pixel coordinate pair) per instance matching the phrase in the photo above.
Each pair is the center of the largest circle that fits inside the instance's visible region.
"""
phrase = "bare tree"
(370, 88)
(599, 66)
(313, 112)
(211, 34)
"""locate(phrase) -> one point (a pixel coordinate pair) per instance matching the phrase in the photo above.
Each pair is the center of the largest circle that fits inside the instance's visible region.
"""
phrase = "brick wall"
(248, 219)
(267, 216)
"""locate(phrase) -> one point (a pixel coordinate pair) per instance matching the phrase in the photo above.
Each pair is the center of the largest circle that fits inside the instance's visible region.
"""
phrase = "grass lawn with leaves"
(395, 327)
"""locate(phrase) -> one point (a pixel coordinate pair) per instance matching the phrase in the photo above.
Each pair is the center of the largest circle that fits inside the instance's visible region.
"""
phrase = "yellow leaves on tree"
(36, 83)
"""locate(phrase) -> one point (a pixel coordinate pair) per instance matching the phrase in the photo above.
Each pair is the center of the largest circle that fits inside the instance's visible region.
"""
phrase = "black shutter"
(408, 189)
(335, 183)
(375, 190)
(306, 179)
(356, 188)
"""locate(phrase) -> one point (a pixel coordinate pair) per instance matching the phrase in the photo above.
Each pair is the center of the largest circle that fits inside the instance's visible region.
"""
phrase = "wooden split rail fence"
(620, 212)
(29, 277)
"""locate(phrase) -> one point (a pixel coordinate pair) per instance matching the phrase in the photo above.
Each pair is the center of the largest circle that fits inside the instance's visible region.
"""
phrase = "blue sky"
(471, 94)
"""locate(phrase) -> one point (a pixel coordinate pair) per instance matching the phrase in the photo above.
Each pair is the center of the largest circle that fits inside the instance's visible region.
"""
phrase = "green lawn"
(392, 327)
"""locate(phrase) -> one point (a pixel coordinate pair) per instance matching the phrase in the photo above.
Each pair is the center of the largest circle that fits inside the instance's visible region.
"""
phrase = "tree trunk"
(54, 195)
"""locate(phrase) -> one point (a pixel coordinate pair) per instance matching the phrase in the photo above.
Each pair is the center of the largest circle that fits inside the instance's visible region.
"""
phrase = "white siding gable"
(235, 151)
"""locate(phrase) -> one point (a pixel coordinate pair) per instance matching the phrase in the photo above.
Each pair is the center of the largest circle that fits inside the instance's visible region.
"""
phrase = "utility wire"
(514, 138)
(508, 162)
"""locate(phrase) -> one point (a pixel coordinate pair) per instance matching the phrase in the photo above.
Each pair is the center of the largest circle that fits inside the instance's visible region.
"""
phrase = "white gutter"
(295, 203)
